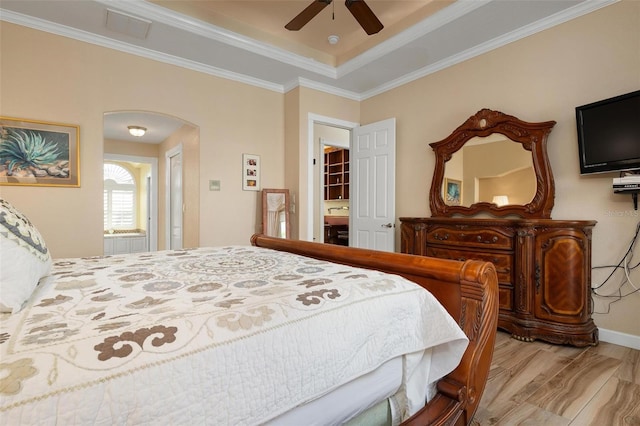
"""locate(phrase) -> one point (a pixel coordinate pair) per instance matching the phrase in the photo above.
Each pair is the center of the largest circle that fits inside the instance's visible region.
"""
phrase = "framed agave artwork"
(39, 153)
(452, 192)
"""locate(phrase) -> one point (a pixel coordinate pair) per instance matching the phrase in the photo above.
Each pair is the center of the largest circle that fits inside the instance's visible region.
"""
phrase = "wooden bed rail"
(469, 292)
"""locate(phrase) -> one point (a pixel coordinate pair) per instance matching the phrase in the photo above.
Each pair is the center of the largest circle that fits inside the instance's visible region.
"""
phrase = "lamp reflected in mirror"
(275, 213)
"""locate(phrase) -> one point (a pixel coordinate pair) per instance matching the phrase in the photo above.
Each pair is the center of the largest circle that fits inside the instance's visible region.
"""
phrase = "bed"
(278, 332)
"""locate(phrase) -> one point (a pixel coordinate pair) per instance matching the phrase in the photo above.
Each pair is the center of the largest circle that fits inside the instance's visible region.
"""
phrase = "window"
(119, 198)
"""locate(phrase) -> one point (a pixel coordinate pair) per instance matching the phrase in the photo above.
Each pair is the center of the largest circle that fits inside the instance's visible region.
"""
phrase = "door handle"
(387, 225)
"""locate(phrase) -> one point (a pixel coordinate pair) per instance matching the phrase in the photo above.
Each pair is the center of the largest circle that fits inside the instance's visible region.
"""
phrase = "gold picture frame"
(452, 192)
(39, 153)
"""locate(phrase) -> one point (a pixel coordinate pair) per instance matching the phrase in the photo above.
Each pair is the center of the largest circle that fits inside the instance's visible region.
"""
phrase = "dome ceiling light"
(137, 131)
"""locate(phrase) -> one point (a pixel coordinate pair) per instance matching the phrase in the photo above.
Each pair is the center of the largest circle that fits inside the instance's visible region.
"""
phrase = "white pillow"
(24, 258)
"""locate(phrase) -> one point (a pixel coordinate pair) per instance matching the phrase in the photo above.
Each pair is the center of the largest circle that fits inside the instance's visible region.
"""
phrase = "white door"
(174, 197)
(149, 209)
(373, 165)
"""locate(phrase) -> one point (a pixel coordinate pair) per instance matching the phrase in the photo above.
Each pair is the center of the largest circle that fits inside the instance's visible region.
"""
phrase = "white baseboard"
(617, 338)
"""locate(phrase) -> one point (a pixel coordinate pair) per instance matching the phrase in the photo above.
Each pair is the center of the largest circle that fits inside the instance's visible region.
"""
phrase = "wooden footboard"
(468, 290)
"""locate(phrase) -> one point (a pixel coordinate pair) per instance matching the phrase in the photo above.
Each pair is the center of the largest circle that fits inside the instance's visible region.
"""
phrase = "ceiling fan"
(358, 8)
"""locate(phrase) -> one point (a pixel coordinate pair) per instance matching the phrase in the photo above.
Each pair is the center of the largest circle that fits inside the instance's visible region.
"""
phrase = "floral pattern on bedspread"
(102, 317)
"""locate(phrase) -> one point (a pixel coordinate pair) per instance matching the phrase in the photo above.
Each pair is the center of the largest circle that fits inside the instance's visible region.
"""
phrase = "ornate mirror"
(493, 163)
(275, 213)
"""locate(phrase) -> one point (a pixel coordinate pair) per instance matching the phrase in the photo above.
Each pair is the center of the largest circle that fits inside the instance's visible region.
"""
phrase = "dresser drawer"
(502, 261)
(470, 237)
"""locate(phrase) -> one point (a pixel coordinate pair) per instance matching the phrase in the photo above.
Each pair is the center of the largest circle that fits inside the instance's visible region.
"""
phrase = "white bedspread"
(229, 336)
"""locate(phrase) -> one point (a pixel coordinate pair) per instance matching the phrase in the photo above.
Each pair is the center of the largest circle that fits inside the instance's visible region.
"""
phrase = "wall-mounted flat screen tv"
(609, 134)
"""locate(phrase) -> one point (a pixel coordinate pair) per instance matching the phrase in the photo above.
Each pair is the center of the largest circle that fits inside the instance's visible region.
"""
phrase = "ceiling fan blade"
(364, 15)
(307, 14)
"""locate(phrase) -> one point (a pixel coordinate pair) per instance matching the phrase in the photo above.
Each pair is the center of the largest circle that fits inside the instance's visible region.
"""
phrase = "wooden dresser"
(543, 266)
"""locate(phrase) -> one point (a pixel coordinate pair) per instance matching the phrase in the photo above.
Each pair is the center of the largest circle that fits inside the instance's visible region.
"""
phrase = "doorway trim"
(153, 213)
(328, 121)
(176, 150)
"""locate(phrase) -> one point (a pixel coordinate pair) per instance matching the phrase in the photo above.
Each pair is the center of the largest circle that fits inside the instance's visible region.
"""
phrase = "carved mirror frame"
(532, 137)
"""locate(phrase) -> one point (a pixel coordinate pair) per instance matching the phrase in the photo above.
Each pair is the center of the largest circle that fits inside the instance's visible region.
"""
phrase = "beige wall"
(143, 171)
(519, 186)
(112, 146)
(83, 81)
(542, 77)
(292, 166)
(332, 134)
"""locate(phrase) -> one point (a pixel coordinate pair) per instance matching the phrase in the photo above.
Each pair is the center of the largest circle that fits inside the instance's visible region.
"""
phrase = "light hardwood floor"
(542, 384)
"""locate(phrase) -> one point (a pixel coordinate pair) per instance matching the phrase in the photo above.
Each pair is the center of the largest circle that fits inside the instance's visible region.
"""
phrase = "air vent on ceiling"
(127, 24)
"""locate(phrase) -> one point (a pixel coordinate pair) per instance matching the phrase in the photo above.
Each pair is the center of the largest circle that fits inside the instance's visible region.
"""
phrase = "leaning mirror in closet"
(275, 213)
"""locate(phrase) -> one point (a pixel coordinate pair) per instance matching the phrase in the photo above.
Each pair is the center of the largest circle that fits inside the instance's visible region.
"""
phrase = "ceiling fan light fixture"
(358, 8)
(333, 39)
(137, 131)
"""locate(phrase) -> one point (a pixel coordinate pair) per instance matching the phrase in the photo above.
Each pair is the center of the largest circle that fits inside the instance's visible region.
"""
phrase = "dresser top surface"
(499, 221)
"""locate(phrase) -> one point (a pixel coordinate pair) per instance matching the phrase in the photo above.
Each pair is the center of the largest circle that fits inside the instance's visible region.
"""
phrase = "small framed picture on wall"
(452, 192)
(250, 172)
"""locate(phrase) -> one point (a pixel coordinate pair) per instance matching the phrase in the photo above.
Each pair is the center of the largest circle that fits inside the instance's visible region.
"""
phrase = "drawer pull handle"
(441, 238)
(493, 240)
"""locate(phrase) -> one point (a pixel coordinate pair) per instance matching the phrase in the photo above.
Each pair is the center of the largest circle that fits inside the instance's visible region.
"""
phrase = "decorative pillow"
(24, 258)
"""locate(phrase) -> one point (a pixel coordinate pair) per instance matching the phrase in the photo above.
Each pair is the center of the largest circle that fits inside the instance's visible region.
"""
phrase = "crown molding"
(557, 19)
(87, 37)
(310, 84)
(439, 19)
(156, 13)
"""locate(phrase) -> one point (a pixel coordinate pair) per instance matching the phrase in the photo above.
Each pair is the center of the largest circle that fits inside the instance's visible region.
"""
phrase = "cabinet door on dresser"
(562, 274)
